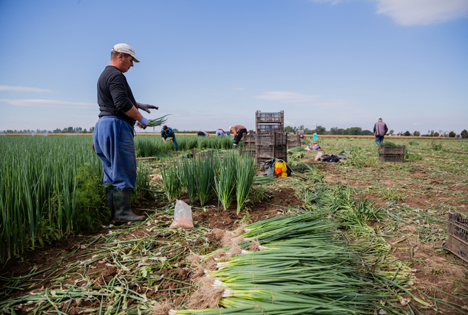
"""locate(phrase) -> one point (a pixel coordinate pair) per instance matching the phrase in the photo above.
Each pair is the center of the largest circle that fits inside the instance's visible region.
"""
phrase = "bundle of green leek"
(158, 121)
(303, 269)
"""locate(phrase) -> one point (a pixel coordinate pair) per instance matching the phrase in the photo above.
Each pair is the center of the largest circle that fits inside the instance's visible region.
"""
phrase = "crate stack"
(392, 153)
(294, 140)
(270, 141)
(248, 146)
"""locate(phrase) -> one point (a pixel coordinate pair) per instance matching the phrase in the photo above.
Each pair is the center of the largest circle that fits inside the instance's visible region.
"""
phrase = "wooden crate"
(271, 151)
(294, 141)
(271, 138)
(269, 127)
(457, 241)
(399, 158)
(269, 117)
(386, 149)
(248, 146)
(248, 138)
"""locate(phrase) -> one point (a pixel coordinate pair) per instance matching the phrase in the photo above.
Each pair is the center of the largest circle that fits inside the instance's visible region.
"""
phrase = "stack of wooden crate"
(270, 141)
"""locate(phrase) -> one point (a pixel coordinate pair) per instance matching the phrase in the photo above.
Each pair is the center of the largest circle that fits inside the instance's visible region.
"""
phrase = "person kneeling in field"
(168, 134)
(238, 132)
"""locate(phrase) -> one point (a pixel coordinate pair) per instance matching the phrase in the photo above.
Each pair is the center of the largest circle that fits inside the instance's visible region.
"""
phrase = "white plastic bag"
(318, 157)
(182, 216)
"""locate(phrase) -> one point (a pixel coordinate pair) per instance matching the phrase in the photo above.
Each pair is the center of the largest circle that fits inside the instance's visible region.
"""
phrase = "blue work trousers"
(113, 143)
(379, 140)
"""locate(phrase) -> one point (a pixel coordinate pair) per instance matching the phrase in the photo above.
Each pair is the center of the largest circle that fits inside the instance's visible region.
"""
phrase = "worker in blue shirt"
(168, 134)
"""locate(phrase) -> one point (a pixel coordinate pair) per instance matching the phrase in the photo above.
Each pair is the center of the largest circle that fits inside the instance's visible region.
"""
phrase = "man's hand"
(146, 107)
(143, 123)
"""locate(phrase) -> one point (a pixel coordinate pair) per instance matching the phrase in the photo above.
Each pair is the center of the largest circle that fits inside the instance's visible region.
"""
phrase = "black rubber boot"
(122, 202)
(110, 201)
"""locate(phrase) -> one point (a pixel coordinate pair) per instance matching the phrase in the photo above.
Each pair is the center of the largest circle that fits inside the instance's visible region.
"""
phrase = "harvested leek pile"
(302, 268)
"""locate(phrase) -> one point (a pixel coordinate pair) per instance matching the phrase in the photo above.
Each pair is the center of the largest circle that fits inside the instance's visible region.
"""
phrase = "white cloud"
(48, 103)
(239, 89)
(23, 89)
(413, 12)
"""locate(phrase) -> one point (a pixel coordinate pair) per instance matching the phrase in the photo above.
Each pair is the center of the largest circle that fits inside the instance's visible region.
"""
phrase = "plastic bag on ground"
(182, 216)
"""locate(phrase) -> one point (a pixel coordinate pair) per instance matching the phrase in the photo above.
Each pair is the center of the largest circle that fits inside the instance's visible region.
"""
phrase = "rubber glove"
(143, 123)
(146, 107)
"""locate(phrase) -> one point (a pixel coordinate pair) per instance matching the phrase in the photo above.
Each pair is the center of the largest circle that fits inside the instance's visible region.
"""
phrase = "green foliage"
(245, 172)
(436, 146)
(360, 212)
(171, 179)
(389, 144)
(91, 211)
(151, 145)
(142, 187)
(50, 187)
(412, 156)
(359, 159)
(204, 179)
(413, 142)
(464, 134)
(295, 150)
(224, 175)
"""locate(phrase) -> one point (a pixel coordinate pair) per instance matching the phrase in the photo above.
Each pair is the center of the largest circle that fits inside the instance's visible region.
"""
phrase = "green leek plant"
(189, 176)
(245, 173)
(171, 179)
(50, 187)
(204, 181)
(225, 180)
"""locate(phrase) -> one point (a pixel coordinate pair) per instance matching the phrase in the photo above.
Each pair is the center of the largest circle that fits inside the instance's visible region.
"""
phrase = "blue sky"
(213, 63)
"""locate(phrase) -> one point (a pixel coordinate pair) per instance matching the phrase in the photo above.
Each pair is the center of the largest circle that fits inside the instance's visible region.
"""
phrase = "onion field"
(359, 236)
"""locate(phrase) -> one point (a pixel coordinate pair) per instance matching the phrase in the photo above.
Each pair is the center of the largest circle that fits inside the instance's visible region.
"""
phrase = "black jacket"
(114, 94)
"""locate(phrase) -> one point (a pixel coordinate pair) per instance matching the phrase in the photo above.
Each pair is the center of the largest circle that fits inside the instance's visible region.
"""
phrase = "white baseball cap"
(126, 49)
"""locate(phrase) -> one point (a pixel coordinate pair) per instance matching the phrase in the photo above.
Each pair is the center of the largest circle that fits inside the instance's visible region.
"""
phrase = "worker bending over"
(238, 131)
(168, 134)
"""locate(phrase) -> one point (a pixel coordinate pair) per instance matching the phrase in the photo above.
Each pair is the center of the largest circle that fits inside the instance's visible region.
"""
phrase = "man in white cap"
(113, 133)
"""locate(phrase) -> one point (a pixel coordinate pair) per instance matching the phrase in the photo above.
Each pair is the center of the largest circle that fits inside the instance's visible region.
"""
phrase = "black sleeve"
(374, 128)
(386, 129)
(118, 90)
